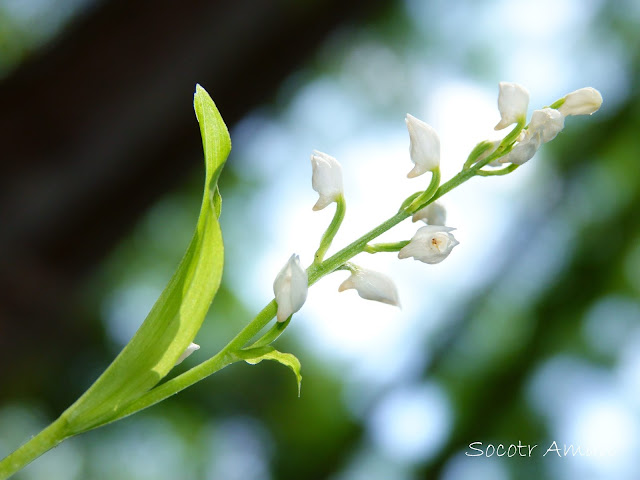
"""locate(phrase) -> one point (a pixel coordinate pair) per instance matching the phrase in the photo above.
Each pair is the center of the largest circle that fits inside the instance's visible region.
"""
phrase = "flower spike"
(290, 288)
(326, 179)
(372, 285)
(513, 101)
(431, 244)
(424, 146)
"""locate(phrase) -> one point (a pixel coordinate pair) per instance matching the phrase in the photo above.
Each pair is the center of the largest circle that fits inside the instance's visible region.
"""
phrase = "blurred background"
(529, 332)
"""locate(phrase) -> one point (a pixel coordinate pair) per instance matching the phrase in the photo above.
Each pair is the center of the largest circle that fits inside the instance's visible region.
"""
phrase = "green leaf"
(217, 202)
(177, 315)
(255, 355)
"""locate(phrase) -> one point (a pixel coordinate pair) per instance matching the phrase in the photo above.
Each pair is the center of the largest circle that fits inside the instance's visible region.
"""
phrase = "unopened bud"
(424, 146)
(513, 101)
(290, 288)
(584, 101)
(432, 214)
(326, 179)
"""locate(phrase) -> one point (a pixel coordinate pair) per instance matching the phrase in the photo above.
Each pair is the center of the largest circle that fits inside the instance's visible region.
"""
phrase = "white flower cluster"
(434, 242)
(545, 124)
(431, 244)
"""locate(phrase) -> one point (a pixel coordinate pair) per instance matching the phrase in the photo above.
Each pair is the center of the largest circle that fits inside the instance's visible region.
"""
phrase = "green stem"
(272, 335)
(558, 103)
(43, 441)
(422, 200)
(332, 229)
(502, 171)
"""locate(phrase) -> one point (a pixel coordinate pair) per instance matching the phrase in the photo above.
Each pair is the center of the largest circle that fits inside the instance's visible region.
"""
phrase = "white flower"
(546, 122)
(290, 288)
(523, 151)
(584, 101)
(513, 101)
(372, 285)
(424, 146)
(432, 214)
(188, 351)
(431, 244)
(326, 179)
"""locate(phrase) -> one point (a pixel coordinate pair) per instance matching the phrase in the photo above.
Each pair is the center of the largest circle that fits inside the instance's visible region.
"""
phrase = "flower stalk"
(332, 230)
(386, 247)
(422, 200)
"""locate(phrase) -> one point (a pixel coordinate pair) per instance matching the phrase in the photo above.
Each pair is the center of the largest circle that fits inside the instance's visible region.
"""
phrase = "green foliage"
(177, 315)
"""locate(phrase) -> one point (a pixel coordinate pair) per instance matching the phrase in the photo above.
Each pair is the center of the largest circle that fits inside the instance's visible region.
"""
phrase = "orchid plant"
(132, 381)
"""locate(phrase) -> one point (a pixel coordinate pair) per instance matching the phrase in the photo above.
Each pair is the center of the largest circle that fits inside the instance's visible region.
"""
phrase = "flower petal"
(326, 179)
(432, 214)
(192, 347)
(372, 285)
(424, 146)
(431, 244)
(513, 101)
(548, 122)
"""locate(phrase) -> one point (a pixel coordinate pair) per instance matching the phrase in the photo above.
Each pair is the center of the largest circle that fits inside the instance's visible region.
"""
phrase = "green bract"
(255, 355)
(177, 315)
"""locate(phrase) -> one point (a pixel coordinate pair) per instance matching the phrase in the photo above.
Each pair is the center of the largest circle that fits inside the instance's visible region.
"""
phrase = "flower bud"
(547, 122)
(188, 351)
(431, 244)
(523, 151)
(513, 101)
(290, 288)
(432, 214)
(424, 146)
(372, 285)
(584, 101)
(326, 179)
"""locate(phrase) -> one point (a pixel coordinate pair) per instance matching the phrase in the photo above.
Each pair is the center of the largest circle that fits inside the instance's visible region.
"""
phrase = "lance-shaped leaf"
(257, 354)
(177, 315)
